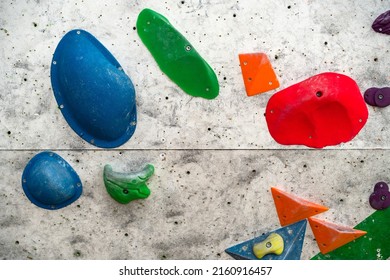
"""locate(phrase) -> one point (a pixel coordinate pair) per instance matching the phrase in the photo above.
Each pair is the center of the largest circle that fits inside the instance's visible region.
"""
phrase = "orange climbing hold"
(292, 209)
(330, 236)
(257, 72)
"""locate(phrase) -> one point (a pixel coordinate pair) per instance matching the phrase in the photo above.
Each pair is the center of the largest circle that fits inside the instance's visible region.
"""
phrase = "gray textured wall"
(215, 160)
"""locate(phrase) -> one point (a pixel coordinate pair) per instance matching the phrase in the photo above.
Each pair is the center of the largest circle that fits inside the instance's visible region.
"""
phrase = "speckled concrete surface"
(201, 203)
(224, 144)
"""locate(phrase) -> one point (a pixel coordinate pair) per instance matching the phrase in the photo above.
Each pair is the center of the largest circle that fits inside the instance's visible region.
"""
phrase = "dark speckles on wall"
(173, 249)
(189, 157)
(23, 65)
(127, 221)
(5, 31)
(173, 213)
(77, 253)
(11, 221)
(245, 177)
(152, 113)
(376, 77)
(78, 239)
(161, 246)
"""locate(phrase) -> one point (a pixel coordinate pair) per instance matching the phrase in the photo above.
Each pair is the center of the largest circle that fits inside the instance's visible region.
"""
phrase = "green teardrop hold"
(176, 57)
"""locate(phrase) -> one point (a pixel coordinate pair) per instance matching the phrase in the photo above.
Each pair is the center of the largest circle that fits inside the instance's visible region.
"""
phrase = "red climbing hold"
(330, 236)
(324, 110)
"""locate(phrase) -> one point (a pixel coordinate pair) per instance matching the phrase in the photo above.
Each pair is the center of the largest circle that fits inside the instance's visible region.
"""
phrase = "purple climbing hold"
(379, 97)
(380, 198)
(369, 96)
(382, 23)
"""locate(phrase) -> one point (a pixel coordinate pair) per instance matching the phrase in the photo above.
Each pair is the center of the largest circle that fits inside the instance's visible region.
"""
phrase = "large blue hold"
(293, 236)
(93, 92)
(50, 182)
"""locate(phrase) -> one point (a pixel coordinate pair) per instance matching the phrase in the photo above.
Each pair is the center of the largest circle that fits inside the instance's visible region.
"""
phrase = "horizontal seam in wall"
(202, 149)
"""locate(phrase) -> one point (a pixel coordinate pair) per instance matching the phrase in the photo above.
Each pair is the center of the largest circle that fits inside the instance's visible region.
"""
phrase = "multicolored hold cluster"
(329, 236)
(286, 243)
(51, 183)
(282, 244)
(375, 245)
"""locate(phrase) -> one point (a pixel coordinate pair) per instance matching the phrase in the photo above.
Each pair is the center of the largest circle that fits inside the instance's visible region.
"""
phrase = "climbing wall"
(214, 160)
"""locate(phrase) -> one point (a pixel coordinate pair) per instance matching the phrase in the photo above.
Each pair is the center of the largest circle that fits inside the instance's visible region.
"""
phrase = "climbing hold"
(257, 72)
(289, 247)
(380, 198)
(330, 236)
(379, 97)
(94, 94)
(375, 245)
(50, 182)
(326, 109)
(273, 244)
(382, 23)
(291, 208)
(126, 187)
(176, 57)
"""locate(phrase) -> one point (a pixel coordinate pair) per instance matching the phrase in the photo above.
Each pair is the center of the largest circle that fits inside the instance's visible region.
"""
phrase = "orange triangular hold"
(330, 236)
(257, 72)
(291, 208)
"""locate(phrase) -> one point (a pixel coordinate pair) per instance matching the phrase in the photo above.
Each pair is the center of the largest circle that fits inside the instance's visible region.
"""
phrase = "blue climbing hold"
(50, 182)
(293, 237)
(94, 94)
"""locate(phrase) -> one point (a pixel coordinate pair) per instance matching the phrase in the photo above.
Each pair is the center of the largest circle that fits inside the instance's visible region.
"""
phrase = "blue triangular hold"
(293, 236)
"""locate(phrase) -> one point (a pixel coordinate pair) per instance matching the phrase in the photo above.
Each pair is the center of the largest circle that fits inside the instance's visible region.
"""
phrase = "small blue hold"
(50, 182)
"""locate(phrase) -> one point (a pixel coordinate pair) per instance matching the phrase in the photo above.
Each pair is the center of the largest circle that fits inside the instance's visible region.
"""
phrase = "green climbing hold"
(126, 187)
(375, 245)
(176, 57)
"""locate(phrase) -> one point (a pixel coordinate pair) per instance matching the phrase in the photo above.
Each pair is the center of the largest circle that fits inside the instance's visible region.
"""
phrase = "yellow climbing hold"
(273, 244)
